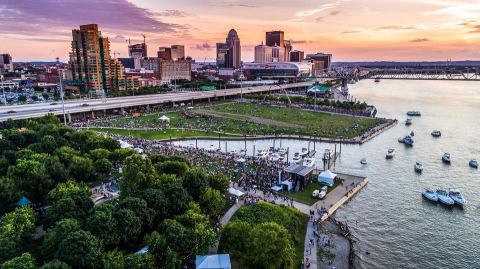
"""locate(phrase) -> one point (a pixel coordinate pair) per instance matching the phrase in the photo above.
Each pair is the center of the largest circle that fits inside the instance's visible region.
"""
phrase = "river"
(393, 226)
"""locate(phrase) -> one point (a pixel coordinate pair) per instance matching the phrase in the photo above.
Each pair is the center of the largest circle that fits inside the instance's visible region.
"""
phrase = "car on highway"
(11, 112)
(84, 104)
(52, 104)
(52, 109)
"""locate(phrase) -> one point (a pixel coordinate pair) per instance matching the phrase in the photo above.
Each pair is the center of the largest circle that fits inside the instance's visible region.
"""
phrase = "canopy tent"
(23, 202)
(241, 160)
(327, 178)
(164, 119)
(235, 192)
(276, 188)
(218, 261)
(142, 250)
(288, 184)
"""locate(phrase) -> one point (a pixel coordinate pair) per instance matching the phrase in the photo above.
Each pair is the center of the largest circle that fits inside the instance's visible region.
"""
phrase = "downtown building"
(90, 61)
(276, 46)
(6, 63)
(320, 61)
(229, 53)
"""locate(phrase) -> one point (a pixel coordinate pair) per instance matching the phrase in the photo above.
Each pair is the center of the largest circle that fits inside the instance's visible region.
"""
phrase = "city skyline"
(351, 30)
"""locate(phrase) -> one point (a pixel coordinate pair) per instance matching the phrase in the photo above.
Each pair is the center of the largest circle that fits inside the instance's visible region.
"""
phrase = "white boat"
(282, 151)
(444, 198)
(409, 121)
(262, 154)
(390, 153)
(418, 167)
(473, 164)
(212, 148)
(456, 196)
(436, 133)
(309, 162)
(274, 157)
(363, 161)
(304, 152)
(328, 154)
(446, 158)
(297, 158)
(430, 195)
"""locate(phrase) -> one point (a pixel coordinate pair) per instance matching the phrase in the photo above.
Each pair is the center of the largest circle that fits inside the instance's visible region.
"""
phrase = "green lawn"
(305, 196)
(248, 119)
(159, 135)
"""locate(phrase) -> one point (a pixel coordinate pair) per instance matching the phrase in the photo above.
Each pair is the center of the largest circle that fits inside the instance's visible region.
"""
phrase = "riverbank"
(337, 246)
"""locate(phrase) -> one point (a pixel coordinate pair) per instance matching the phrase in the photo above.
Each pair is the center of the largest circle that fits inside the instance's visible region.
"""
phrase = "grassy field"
(159, 135)
(249, 119)
(305, 196)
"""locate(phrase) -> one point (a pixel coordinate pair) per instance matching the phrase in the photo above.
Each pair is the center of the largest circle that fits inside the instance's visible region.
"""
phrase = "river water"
(393, 226)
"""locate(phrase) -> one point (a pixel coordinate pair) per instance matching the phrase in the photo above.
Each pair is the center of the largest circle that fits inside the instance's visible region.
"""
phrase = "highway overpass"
(72, 107)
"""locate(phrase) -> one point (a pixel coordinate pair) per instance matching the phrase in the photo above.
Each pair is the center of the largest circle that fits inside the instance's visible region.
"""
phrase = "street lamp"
(61, 95)
(4, 96)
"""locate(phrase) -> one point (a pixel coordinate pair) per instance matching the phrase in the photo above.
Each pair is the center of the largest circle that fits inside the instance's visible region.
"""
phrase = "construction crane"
(129, 41)
(144, 36)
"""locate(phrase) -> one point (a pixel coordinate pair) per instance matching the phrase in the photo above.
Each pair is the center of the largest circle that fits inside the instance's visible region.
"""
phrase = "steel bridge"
(347, 74)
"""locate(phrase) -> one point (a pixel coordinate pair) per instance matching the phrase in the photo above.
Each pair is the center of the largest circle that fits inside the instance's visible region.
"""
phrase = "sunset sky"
(355, 30)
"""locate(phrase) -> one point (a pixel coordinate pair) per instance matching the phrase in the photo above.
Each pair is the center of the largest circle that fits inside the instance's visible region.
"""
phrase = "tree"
(80, 249)
(102, 168)
(119, 155)
(102, 223)
(26, 261)
(22, 98)
(235, 236)
(99, 153)
(114, 260)
(138, 174)
(56, 234)
(140, 261)
(195, 181)
(32, 178)
(9, 195)
(65, 154)
(172, 167)
(14, 227)
(129, 225)
(48, 144)
(55, 264)
(139, 207)
(201, 235)
(177, 197)
(69, 200)
(82, 169)
(65, 190)
(269, 247)
(212, 202)
(219, 182)
(157, 201)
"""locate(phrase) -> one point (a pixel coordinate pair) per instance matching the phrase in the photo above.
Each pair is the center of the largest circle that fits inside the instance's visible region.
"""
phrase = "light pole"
(4, 97)
(241, 83)
(61, 95)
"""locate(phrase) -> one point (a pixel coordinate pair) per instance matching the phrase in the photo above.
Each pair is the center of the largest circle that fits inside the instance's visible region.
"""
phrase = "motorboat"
(274, 157)
(412, 133)
(436, 133)
(282, 151)
(304, 152)
(418, 167)
(297, 158)
(400, 140)
(377, 80)
(363, 161)
(430, 195)
(414, 113)
(446, 158)
(308, 162)
(262, 154)
(323, 192)
(444, 198)
(409, 121)
(212, 148)
(408, 140)
(327, 154)
(456, 197)
(390, 153)
(473, 164)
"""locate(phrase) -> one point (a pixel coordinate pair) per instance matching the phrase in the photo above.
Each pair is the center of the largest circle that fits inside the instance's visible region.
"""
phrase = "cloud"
(53, 17)
(232, 3)
(331, 14)
(352, 32)
(300, 42)
(397, 27)
(203, 46)
(171, 13)
(471, 25)
(419, 40)
(327, 6)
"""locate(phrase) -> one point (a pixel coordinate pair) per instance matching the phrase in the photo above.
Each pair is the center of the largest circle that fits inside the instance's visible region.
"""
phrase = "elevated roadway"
(18, 112)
